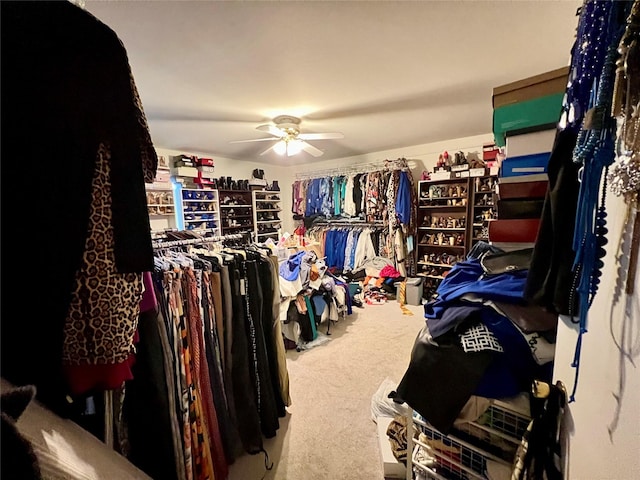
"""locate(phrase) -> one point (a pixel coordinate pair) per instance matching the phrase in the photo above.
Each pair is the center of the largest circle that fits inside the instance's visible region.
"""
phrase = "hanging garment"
(243, 362)
(86, 108)
(283, 374)
(267, 406)
(149, 405)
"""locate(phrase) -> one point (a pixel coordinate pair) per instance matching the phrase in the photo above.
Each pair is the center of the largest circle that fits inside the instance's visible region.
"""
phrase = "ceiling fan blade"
(307, 147)
(255, 140)
(320, 136)
(268, 149)
(273, 130)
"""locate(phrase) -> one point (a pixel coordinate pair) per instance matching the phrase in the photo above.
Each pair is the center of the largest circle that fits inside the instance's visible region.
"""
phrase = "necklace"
(595, 152)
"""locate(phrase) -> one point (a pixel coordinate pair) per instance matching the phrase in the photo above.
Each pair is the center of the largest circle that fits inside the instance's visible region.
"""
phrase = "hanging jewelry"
(594, 151)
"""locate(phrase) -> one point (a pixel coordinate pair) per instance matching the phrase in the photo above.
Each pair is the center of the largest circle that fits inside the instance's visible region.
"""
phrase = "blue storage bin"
(525, 165)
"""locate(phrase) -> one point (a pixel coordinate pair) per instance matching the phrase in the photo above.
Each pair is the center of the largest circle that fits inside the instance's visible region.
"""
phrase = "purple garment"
(149, 300)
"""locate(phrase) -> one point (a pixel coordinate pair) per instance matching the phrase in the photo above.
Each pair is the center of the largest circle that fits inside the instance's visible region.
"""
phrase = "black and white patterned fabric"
(479, 338)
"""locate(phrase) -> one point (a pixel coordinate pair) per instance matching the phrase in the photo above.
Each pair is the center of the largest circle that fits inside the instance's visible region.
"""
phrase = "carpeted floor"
(328, 433)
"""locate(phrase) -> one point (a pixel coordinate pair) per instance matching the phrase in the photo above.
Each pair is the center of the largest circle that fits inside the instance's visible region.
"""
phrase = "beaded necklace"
(587, 57)
(595, 152)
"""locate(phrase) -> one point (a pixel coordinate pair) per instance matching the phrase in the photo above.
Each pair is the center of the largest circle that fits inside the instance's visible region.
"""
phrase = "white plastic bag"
(383, 406)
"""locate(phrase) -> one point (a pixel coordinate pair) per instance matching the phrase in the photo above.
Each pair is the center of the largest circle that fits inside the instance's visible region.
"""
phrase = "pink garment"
(389, 272)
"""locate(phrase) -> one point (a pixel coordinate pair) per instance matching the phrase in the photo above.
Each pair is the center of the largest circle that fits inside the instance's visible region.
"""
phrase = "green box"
(530, 115)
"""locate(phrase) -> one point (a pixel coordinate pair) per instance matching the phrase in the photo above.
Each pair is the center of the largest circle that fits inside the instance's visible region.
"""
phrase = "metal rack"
(464, 453)
(161, 243)
(396, 164)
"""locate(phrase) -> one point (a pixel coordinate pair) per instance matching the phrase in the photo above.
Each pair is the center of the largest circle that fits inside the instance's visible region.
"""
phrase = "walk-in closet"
(320, 240)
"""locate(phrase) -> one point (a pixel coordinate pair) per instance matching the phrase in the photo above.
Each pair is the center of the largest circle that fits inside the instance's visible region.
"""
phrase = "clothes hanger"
(181, 258)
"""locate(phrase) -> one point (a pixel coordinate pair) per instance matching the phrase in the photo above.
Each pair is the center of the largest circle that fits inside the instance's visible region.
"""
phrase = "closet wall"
(604, 434)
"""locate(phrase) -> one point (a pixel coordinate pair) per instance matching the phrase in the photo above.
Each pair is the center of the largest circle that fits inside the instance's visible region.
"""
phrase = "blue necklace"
(595, 152)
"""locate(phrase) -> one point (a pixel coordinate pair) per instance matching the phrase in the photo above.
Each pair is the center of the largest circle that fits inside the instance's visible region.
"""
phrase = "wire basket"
(464, 453)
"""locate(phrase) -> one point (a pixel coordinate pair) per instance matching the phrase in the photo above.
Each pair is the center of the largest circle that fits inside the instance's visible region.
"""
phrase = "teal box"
(529, 115)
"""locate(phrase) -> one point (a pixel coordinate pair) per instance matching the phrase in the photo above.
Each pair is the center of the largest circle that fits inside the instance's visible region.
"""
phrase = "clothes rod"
(159, 244)
(347, 223)
(385, 165)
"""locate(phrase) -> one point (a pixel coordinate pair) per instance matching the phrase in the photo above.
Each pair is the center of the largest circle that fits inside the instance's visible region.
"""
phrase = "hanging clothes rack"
(194, 241)
(347, 223)
(396, 164)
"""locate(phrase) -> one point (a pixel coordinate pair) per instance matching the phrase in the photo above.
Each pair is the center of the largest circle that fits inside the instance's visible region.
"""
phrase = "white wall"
(593, 453)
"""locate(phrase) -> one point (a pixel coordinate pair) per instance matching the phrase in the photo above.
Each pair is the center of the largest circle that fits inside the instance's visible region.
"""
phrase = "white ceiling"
(386, 74)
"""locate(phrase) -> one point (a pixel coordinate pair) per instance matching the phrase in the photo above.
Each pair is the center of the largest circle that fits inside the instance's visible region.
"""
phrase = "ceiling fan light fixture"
(281, 147)
(294, 147)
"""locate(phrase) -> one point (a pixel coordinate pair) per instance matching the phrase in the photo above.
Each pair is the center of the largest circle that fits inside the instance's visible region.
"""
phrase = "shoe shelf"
(236, 211)
(443, 229)
(161, 207)
(483, 208)
(198, 209)
(266, 207)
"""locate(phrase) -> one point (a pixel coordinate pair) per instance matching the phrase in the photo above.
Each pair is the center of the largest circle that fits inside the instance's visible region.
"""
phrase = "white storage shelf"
(265, 205)
(161, 206)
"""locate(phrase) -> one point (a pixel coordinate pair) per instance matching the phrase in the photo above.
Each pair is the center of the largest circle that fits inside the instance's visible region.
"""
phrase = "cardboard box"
(520, 208)
(524, 165)
(530, 143)
(457, 168)
(541, 113)
(391, 467)
(547, 83)
(523, 230)
(489, 151)
(440, 176)
(533, 189)
(477, 172)
(204, 162)
(185, 172)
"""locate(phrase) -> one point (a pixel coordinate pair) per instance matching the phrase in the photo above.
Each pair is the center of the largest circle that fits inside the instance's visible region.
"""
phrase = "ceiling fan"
(286, 133)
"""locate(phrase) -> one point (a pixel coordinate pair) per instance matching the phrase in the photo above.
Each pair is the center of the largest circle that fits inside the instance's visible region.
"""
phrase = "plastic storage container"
(413, 292)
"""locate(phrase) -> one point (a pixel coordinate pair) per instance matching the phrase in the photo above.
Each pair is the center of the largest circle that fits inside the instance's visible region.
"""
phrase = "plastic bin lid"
(415, 281)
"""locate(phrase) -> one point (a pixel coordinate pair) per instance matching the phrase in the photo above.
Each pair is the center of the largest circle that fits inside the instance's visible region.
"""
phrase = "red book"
(523, 230)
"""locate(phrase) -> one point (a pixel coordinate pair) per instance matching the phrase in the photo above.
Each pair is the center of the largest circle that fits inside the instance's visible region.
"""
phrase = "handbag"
(506, 262)
(257, 178)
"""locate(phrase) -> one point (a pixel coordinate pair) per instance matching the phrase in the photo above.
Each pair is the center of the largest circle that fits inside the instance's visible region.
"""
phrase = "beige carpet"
(328, 432)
